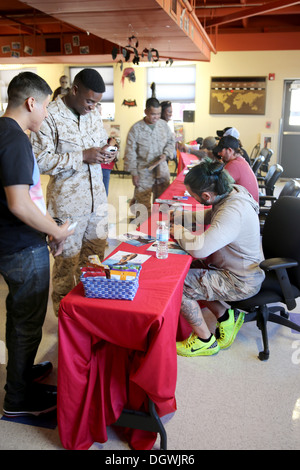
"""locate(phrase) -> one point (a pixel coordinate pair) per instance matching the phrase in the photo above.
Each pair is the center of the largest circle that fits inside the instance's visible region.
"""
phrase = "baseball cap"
(229, 131)
(233, 132)
(227, 142)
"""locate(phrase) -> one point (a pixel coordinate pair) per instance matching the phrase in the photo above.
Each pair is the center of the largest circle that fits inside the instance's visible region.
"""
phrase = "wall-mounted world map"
(238, 95)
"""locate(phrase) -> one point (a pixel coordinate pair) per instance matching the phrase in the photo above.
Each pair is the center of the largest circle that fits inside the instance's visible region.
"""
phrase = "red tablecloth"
(184, 159)
(177, 188)
(115, 353)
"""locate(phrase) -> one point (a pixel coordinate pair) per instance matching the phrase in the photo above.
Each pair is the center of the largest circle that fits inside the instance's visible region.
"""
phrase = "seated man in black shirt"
(24, 255)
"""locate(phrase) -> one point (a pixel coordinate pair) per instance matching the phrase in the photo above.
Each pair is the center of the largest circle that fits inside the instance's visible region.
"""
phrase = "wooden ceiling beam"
(20, 26)
(248, 12)
(213, 12)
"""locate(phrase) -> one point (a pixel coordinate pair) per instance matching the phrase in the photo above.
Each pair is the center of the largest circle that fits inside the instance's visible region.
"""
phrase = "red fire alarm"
(271, 76)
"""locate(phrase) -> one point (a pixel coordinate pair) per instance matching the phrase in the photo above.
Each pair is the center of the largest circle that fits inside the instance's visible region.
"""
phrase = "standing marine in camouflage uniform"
(148, 139)
(70, 147)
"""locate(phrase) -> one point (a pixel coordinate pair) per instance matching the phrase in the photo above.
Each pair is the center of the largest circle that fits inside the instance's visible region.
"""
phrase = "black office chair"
(281, 247)
(254, 153)
(267, 183)
(257, 164)
(291, 188)
(267, 154)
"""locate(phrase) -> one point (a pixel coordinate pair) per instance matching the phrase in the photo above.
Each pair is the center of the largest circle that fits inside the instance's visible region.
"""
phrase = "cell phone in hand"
(72, 226)
(111, 148)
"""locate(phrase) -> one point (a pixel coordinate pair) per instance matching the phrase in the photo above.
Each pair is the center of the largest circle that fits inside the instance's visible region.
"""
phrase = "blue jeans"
(27, 276)
(106, 178)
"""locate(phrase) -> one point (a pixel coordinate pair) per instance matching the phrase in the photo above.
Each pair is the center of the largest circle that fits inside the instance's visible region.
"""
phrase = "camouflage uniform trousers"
(216, 284)
(154, 182)
(84, 242)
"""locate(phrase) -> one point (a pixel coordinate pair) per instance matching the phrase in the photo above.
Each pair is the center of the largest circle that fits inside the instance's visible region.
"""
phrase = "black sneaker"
(42, 401)
(41, 371)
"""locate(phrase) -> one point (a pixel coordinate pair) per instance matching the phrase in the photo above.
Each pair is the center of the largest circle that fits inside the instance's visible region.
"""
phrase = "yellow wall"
(51, 73)
(284, 64)
(126, 116)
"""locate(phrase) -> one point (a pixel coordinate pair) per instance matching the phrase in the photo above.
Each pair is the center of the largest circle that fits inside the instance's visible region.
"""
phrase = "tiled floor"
(228, 401)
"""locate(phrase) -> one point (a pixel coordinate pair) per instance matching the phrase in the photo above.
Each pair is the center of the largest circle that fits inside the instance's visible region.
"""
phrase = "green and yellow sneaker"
(193, 346)
(227, 330)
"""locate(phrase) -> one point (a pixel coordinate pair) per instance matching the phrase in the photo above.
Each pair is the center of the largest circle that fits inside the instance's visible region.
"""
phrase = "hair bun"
(216, 168)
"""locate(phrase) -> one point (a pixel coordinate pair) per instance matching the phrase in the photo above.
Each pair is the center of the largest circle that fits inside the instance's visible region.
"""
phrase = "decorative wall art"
(84, 50)
(237, 95)
(129, 103)
(28, 50)
(269, 141)
(126, 52)
(128, 73)
(76, 41)
(68, 48)
(5, 49)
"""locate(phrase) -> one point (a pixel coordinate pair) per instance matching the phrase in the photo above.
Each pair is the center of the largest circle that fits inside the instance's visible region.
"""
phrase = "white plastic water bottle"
(162, 238)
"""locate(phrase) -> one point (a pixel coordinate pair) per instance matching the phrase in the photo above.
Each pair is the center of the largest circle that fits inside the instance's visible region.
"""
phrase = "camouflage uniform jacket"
(75, 188)
(145, 144)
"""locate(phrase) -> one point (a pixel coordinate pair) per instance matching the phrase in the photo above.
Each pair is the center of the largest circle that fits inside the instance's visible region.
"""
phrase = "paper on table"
(122, 258)
(172, 202)
(154, 163)
(136, 238)
(173, 247)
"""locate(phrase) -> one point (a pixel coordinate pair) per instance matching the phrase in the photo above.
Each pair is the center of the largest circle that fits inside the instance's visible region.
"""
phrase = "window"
(107, 101)
(175, 84)
(294, 118)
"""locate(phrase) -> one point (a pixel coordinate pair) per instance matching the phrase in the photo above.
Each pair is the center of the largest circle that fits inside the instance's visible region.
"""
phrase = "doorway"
(290, 130)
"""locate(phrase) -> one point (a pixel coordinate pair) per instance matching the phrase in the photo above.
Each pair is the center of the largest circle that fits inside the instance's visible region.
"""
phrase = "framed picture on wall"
(68, 48)
(268, 140)
(76, 41)
(237, 95)
(5, 49)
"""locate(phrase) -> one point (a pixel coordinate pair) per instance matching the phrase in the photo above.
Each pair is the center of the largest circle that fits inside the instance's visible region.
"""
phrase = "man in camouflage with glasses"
(70, 147)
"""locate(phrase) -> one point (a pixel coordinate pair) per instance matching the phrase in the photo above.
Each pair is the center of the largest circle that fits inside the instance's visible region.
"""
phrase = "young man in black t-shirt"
(24, 255)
